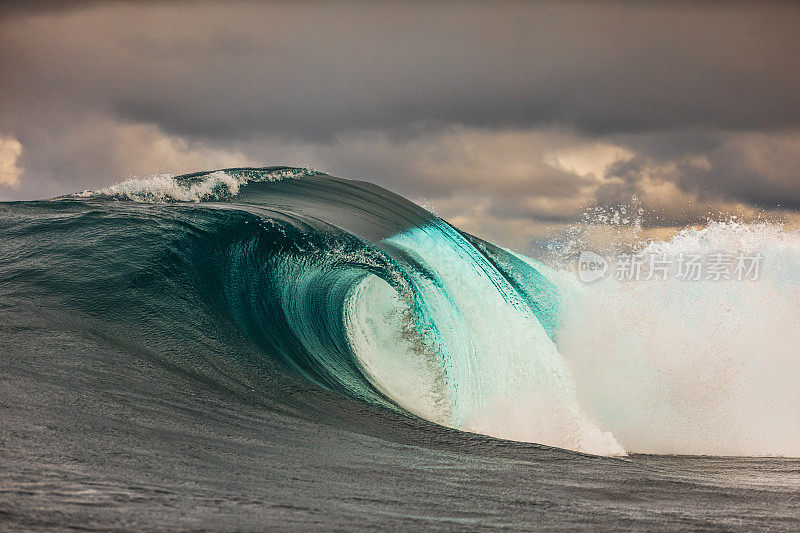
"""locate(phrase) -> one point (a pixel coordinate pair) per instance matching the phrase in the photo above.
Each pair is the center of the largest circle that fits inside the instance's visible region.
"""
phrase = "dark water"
(172, 365)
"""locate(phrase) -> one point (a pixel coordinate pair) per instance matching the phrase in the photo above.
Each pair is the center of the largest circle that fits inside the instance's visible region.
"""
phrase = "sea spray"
(706, 366)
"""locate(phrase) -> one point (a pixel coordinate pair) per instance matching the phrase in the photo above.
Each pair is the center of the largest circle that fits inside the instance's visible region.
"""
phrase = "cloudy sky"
(506, 118)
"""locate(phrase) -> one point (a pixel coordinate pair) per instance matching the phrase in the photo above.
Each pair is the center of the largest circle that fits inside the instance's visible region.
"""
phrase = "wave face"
(280, 280)
(367, 294)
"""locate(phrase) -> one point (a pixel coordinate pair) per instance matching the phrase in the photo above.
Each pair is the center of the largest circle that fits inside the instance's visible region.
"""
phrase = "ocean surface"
(275, 348)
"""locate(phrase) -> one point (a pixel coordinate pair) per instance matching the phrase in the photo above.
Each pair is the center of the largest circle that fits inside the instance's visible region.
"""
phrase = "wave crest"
(199, 187)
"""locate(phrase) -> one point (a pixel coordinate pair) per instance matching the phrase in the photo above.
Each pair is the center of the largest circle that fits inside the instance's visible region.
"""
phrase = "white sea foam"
(693, 367)
(209, 187)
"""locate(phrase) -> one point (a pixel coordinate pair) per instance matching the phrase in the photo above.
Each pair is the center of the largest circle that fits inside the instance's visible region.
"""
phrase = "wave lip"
(197, 187)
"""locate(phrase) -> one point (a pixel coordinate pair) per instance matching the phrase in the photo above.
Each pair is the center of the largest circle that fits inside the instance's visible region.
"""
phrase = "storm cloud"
(504, 116)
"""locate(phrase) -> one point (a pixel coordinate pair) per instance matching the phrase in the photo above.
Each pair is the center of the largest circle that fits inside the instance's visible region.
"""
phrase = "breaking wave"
(361, 292)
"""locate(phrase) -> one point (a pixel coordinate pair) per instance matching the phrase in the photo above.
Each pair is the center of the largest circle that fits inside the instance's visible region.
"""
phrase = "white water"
(210, 187)
(694, 367)
(399, 366)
